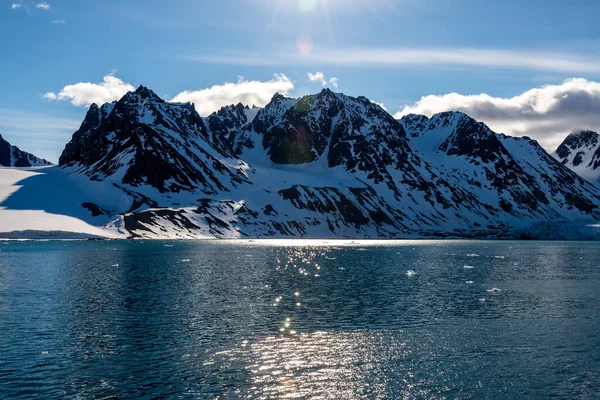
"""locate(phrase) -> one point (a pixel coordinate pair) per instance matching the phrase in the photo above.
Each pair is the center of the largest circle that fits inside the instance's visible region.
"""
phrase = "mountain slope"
(513, 174)
(12, 156)
(580, 152)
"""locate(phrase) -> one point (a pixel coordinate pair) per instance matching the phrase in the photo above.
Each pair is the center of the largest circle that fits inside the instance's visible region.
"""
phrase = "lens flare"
(304, 45)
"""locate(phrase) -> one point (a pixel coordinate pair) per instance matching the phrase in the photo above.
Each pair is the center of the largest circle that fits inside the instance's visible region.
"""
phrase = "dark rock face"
(12, 156)
(226, 124)
(86, 140)
(576, 141)
(339, 127)
(150, 142)
(580, 151)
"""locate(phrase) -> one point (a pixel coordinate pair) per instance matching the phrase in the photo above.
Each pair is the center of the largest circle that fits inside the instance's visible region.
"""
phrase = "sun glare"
(307, 5)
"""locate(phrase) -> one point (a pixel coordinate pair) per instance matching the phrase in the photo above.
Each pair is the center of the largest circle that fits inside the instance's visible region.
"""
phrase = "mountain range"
(321, 166)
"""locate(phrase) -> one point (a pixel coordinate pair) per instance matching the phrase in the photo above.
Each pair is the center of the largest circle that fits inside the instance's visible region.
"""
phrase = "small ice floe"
(185, 260)
(498, 256)
(45, 353)
(482, 300)
(469, 282)
(410, 273)
(115, 265)
(468, 267)
(473, 255)
(330, 258)
(494, 290)
(168, 245)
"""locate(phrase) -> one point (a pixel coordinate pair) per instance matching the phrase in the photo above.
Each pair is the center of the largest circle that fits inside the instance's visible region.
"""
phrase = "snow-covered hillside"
(515, 176)
(580, 152)
(12, 156)
(322, 166)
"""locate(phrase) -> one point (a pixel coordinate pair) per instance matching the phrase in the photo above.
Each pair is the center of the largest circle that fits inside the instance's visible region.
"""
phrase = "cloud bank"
(546, 114)
(44, 6)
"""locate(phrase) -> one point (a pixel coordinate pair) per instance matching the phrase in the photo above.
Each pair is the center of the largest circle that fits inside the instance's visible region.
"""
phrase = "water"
(270, 320)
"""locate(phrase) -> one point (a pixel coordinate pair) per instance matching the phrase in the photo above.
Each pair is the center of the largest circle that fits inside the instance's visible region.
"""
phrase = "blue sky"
(393, 52)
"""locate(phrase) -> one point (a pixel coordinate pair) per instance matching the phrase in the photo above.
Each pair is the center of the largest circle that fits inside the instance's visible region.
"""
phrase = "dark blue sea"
(300, 320)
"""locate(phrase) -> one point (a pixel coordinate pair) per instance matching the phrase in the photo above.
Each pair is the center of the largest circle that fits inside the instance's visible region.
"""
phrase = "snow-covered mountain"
(580, 152)
(225, 124)
(143, 141)
(515, 175)
(12, 156)
(326, 165)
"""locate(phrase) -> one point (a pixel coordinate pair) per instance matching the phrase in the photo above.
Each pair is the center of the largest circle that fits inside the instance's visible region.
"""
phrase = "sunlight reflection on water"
(299, 319)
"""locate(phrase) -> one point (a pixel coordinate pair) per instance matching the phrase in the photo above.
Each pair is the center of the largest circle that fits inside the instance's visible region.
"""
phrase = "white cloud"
(86, 93)
(15, 6)
(546, 114)
(44, 6)
(429, 57)
(257, 93)
(317, 77)
(50, 96)
(58, 21)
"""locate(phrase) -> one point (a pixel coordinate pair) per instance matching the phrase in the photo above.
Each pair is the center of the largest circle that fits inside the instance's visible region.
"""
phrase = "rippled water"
(300, 319)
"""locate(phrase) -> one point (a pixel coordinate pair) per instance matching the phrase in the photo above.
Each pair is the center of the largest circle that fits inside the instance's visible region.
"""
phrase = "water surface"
(272, 319)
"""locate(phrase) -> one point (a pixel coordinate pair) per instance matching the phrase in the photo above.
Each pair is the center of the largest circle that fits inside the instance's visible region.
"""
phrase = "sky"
(523, 67)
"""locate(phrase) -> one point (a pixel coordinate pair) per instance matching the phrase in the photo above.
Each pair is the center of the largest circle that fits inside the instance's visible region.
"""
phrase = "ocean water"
(295, 319)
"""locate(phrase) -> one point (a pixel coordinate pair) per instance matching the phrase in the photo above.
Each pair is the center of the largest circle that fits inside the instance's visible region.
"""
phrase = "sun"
(308, 5)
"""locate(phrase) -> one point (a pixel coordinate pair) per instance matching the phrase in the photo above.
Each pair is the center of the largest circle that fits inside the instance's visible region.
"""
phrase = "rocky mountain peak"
(277, 97)
(577, 141)
(414, 124)
(143, 140)
(142, 95)
(580, 152)
(453, 133)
